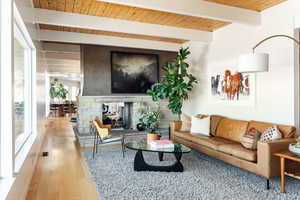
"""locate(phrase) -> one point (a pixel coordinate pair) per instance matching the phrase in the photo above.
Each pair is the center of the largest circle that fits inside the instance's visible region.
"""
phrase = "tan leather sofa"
(225, 144)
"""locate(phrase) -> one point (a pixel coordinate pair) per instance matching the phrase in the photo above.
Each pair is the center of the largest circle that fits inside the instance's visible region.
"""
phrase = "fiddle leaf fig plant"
(57, 90)
(176, 83)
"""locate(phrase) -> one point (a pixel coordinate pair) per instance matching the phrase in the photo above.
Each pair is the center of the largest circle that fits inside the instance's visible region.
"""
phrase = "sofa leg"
(268, 184)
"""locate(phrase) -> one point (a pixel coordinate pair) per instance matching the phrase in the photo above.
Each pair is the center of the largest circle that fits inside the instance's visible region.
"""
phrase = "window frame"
(6, 63)
(10, 162)
(21, 139)
(22, 146)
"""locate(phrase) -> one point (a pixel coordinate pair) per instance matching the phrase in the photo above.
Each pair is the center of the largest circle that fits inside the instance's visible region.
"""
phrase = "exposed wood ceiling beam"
(61, 49)
(109, 33)
(82, 38)
(256, 5)
(44, 16)
(197, 8)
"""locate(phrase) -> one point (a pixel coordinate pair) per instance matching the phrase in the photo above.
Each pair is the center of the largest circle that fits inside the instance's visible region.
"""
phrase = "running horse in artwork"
(232, 84)
(236, 81)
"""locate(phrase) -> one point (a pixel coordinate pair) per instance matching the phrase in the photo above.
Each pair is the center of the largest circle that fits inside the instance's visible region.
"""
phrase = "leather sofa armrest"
(174, 126)
(267, 162)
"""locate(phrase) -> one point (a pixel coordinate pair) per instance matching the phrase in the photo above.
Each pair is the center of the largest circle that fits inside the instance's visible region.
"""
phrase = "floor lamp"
(258, 62)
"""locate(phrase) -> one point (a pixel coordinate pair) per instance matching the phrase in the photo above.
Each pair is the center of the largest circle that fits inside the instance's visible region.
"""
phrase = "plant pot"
(152, 136)
(295, 150)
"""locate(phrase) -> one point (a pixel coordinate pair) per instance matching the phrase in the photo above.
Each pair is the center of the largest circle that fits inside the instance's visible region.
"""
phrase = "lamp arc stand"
(274, 36)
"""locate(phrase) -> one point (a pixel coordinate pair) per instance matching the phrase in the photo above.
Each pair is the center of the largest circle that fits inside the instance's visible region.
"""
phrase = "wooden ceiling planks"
(110, 10)
(256, 5)
(107, 33)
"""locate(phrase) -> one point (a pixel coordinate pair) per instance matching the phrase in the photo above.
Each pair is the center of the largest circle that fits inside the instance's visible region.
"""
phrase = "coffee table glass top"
(143, 146)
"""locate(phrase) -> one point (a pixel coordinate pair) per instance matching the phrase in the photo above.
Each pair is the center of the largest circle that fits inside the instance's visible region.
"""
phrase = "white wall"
(274, 89)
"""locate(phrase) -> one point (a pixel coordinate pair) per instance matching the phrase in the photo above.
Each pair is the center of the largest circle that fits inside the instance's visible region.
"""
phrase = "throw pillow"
(200, 126)
(272, 133)
(250, 138)
(186, 123)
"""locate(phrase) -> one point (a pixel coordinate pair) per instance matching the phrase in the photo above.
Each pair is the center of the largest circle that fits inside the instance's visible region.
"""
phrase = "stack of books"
(162, 144)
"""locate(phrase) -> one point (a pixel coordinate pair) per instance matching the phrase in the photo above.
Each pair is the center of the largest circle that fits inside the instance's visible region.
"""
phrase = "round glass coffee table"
(141, 165)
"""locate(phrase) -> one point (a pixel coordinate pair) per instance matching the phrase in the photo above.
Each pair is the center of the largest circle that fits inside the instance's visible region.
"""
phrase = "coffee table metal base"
(141, 165)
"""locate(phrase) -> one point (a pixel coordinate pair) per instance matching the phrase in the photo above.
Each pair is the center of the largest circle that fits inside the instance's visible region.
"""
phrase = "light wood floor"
(62, 175)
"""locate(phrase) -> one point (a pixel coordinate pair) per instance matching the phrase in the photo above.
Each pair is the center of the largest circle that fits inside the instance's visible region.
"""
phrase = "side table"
(284, 171)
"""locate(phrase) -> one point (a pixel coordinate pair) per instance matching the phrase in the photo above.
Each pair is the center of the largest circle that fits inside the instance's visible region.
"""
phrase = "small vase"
(140, 127)
(152, 136)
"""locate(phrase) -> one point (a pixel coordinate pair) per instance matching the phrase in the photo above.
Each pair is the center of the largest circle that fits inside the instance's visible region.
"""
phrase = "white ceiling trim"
(197, 8)
(58, 18)
(82, 38)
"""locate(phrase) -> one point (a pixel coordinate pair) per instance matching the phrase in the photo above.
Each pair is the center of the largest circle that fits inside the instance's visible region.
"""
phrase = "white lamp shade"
(254, 62)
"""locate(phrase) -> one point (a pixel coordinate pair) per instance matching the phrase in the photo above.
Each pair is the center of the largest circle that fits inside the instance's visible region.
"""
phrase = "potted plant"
(57, 91)
(295, 147)
(150, 121)
(176, 83)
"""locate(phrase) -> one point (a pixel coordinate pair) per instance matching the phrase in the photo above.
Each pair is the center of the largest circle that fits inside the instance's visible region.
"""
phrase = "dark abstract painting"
(133, 73)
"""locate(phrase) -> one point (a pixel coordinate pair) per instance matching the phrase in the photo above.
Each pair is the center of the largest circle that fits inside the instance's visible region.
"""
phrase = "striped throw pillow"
(250, 138)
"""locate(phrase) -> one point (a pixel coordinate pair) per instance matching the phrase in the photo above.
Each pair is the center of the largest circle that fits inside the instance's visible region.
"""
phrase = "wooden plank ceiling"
(108, 33)
(104, 9)
(256, 5)
(110, 10)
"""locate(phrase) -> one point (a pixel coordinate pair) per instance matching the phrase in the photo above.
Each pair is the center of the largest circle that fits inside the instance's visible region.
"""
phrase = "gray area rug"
(204, 178)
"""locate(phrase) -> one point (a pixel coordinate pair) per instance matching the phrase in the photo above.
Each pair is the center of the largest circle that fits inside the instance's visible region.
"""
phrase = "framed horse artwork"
(232, 87)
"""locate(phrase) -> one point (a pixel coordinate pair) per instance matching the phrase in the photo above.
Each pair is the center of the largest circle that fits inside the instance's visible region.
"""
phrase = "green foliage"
(57, 90)
(176, 84)
(150, 120)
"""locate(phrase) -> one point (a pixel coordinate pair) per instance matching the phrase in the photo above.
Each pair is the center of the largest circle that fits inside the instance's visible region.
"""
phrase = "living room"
(195, 99)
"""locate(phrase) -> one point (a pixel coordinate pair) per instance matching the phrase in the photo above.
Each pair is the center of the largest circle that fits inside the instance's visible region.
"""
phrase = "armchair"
(101, 135)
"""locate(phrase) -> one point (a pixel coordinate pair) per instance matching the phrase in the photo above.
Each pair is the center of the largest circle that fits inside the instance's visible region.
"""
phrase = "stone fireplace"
(96, 88)
(90, 107)
(118, 115)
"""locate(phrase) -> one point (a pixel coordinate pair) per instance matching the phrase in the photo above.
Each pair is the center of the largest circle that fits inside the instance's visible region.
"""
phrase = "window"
(19, 88)
(22, 84)
(74, 93)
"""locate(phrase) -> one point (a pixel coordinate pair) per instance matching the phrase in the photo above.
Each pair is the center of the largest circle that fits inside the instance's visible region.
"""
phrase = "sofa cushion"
(212, 142)
(239, 151)
(207, 141)
(187, 135)
(214, 123)
(232, 129)
(287, 131)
